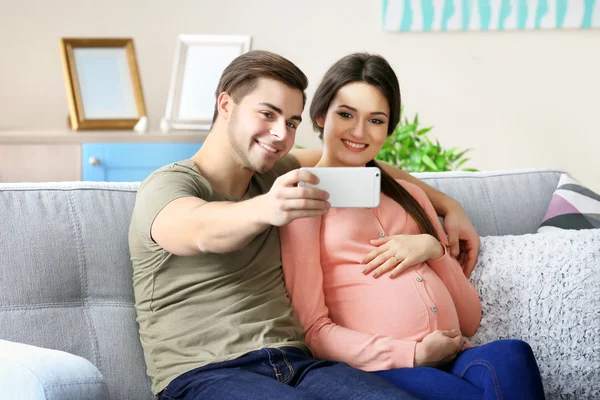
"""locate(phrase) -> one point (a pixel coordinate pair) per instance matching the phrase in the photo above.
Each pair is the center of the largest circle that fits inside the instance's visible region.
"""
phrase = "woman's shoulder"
(413, 189)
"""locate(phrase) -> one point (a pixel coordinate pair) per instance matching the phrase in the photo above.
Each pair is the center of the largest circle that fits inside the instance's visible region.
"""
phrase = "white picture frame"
(198, 65)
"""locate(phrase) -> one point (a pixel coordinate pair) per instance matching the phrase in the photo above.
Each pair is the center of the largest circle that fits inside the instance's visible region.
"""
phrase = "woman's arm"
(464, 295)
(463, 240)
(300, 250)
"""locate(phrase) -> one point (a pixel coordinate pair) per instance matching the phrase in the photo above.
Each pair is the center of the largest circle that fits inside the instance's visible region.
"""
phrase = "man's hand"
(438, 348)
(286, 201)
(463, 240)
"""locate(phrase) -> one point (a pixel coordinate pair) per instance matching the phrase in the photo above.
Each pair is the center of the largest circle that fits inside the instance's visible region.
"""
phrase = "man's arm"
(190, 226)
(462, 238)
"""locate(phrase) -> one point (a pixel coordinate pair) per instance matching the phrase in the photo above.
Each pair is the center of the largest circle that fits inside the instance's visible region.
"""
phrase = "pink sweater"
(371, 324)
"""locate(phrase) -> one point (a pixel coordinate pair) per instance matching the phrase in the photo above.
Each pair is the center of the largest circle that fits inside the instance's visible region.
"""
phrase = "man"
(214, 315)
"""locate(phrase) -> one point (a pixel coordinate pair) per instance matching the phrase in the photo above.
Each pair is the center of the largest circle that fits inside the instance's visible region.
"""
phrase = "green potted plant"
(410, 149)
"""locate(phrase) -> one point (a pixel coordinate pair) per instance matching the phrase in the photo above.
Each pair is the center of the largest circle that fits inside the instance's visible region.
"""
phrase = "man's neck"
(219, 164)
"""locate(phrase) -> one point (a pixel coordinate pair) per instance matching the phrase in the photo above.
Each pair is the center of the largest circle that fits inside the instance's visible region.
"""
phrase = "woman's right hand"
(439, 347)
(399, 252)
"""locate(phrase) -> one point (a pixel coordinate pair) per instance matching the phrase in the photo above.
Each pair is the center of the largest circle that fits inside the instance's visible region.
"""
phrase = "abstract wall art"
(484, 15)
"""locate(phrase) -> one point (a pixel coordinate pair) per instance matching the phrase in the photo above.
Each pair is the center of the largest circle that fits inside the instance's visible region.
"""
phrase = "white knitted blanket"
(545, 289)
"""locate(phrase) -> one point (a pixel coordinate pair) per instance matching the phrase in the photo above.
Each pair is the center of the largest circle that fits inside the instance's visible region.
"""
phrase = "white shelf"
(15, 136)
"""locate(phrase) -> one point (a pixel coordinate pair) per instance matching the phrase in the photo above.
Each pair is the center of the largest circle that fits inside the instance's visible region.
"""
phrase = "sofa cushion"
(66, 281)
(499, 202)
(573, 206)
(545, 289)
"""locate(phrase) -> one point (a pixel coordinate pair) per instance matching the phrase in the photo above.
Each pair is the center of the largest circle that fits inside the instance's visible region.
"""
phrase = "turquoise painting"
(483, 15)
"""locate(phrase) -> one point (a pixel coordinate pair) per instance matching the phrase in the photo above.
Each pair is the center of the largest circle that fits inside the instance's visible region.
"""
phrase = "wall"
(519, 99)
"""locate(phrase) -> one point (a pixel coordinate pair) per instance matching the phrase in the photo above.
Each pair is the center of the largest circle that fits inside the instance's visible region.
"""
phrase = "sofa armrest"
(35, 373)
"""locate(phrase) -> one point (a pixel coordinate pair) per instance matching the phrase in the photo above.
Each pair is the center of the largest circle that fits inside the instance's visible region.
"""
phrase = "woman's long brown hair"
(391, 188)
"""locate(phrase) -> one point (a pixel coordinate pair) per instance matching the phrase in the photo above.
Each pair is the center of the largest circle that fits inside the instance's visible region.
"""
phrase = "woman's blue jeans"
(504, 369)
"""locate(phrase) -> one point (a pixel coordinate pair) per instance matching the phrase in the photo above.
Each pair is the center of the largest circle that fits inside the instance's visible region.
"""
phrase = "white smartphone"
(348, 187)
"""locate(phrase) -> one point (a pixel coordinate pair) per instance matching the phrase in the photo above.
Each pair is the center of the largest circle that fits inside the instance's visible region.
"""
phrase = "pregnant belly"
(407, 307)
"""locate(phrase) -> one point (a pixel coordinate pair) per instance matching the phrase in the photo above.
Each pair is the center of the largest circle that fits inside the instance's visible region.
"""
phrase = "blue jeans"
(280, 373)
(504, 369)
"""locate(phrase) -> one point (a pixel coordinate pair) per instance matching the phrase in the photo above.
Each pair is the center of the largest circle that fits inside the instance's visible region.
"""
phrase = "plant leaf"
(410, 148)
(424, 131)
(429, 162)
(461, 162)
(440, 162)
(462, 153)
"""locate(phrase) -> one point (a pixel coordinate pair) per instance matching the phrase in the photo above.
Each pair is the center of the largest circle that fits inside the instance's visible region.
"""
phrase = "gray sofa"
(65, 281)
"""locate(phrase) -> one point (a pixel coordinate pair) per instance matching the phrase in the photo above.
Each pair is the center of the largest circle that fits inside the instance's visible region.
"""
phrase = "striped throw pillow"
(573, 206)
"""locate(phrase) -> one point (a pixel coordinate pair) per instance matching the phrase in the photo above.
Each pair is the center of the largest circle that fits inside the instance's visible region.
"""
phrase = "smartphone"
(348, 187)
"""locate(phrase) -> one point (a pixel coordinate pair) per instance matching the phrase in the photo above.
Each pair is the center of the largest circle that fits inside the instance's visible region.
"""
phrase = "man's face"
(262, 126)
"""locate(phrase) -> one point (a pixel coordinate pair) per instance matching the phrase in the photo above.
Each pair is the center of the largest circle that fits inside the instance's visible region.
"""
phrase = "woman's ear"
(320, 121)
(224, 103)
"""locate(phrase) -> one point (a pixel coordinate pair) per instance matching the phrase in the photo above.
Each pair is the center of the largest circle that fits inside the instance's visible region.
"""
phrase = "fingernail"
(363, 270)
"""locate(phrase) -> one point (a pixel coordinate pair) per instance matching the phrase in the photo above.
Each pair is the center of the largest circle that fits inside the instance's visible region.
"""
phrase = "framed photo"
(103, 83)
(198, 65)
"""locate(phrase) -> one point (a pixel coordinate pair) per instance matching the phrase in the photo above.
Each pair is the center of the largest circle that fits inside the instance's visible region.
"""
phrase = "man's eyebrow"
(354, 109)
(278, 111)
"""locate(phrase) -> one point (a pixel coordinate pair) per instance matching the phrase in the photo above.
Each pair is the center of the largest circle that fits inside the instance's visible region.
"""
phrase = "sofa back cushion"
(66, 280)
(499, 202)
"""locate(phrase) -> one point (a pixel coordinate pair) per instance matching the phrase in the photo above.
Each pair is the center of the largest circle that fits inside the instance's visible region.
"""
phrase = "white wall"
(519, 99)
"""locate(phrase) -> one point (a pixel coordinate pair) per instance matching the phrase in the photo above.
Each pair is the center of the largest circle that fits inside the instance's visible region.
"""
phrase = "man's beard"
(233, 133)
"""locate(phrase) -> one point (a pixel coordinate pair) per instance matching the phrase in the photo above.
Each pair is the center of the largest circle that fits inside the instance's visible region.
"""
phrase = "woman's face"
(355, 125)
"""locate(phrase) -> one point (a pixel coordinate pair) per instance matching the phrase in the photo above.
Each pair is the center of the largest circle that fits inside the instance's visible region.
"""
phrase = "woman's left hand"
(400, 252)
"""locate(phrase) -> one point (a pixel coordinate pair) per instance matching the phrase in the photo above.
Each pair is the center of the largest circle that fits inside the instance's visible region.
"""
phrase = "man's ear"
(320, 121)
(224, 104)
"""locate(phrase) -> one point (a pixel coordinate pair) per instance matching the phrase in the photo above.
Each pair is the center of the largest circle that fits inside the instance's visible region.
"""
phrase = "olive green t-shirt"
(198, 310)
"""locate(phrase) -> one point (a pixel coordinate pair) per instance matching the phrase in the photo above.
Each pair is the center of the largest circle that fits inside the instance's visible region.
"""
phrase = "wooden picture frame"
(103, 83)
(198, 64)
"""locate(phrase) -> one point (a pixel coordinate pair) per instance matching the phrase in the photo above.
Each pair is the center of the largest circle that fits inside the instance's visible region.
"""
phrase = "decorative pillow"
(573, 206)
(544, 288)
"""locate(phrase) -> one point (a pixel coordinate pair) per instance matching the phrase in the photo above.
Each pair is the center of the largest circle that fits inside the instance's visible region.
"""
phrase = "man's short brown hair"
(242, 75)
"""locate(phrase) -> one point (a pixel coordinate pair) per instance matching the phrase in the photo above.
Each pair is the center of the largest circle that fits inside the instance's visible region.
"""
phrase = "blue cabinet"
(130, 162)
